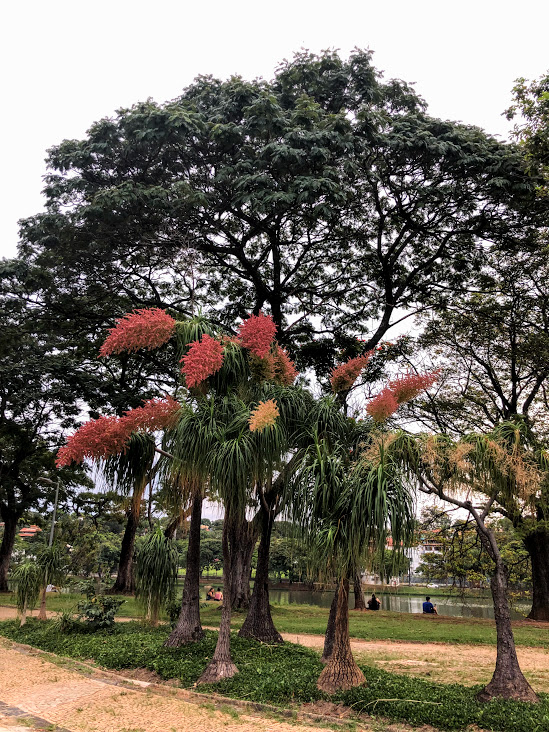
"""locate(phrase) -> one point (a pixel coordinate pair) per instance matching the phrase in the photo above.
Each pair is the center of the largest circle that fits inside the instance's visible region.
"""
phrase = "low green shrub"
(285, 675)
(97, 612)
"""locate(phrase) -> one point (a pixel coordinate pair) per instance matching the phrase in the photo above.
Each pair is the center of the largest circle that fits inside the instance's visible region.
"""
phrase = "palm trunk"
(259, 623)
(359, 594)
(330, 629)
(341, 671)
(6, 548)
(508, 681)
(125, 580)
(221, 666)
(189, 628)
(42, 613)
(537, 546)
(23, 614)
(242, 566)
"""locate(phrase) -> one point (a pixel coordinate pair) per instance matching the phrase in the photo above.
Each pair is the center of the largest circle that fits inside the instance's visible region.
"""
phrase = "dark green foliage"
(98, 611)
(286, 675)
(447, 706)
(156, 573)
(27, 580)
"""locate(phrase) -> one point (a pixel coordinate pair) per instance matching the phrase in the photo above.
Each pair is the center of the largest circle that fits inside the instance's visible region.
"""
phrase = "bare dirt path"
(443, 662)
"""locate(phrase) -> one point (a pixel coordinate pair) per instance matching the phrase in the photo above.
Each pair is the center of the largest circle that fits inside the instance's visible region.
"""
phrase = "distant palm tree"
(52, 570)
(28, 577)
(156, 573)
(129, 473)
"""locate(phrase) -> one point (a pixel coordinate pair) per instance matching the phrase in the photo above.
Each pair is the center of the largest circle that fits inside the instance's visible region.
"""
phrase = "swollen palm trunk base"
(341, 672)
(221, 666)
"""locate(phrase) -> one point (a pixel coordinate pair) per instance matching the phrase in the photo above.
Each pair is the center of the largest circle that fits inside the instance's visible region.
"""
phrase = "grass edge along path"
(391, 626)
(285, 676)
(383, 625)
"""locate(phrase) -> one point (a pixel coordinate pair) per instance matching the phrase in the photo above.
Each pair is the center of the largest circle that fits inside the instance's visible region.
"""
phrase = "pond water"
(471, 607)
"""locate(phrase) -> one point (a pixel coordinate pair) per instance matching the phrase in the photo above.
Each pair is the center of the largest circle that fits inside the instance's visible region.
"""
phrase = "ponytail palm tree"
(477, 473)
(216, 443)
(156, 573)
(52, 570)
(28, 579)
(347, 508)
(294, 404)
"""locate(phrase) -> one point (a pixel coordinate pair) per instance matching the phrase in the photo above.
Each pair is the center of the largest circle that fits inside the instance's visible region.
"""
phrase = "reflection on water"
(473, 607)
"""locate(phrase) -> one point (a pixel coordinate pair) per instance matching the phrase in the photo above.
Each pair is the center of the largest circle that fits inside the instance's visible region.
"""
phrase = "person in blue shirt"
(429, 608)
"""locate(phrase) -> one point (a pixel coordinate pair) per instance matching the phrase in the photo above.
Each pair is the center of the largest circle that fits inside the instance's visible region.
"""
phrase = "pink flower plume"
(107, 436)
(148, 328)
(408, 386)
(344, 376)
(257, 334)
(204, 358)
(382, 406)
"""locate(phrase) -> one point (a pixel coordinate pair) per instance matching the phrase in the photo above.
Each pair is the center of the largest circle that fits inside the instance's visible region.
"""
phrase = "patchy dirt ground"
(443, 662)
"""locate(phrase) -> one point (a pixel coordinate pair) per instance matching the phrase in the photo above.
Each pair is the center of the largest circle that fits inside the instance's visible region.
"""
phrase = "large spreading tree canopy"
(326, 196)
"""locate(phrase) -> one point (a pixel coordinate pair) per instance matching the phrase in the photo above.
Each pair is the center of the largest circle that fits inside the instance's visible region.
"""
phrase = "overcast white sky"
(67, 63)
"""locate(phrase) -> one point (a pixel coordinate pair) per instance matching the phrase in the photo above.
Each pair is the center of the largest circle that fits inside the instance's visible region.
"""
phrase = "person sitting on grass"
(429, 608)
(373, 603)
(210, 595)
(218, 595)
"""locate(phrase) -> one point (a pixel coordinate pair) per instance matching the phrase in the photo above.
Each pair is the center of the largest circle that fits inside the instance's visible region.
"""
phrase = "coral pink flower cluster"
(382, 406)
(345, 375)
(106, 436)
(149, 328)
(257, 334)
(204, 359)
(400, 390)
(284, 370)
(409, 385)
(263, 416)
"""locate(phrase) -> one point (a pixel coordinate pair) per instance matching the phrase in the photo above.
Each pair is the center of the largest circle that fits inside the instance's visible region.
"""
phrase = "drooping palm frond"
(156, 573)
(27, 577)
(51, 565)
(132, 466)
(188, 331)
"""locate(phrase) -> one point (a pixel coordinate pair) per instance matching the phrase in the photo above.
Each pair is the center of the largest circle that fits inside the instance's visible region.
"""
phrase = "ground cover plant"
(285, 675)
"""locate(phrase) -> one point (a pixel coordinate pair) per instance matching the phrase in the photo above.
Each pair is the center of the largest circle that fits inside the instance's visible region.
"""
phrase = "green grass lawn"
(61, 602)
(383, 625)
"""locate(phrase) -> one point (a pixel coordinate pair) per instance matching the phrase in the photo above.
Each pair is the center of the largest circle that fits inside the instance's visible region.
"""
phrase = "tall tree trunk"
(6, 548)
(259, 623)
(23, 619)
(359, 594)
(189, 628)
(242, 565)
(341, 671)
(537, 546)
(221, 666)
(330, 629)
(508, 681)
(42, 612)
(125, 580)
